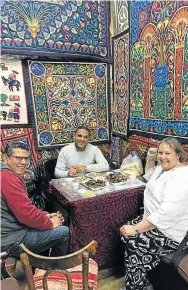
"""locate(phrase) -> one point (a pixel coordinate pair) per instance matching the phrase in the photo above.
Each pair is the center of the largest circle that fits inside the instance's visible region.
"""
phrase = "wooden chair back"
(57, 264)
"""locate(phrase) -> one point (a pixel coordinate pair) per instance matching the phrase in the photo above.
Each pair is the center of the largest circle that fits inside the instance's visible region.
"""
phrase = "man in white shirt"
(80, 156)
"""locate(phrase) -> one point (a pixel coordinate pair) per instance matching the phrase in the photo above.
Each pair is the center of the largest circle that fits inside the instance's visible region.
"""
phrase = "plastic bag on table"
(132, 166)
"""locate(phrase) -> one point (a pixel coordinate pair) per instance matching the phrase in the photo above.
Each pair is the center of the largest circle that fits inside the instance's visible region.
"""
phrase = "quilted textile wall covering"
(66, 95)
(140, 146)
(159, 61)
(120, 15)
(52, 27)
(13, 107)
(120, 83)
(25, 135)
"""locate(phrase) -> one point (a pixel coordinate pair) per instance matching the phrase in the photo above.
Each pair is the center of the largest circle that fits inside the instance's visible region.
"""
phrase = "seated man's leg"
(39, 241)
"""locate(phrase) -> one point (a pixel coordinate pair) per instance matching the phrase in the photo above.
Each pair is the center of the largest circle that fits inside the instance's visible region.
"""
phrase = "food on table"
(95, 174)
(95, 184)
(81, 178)
(88, 193)
(116, 177)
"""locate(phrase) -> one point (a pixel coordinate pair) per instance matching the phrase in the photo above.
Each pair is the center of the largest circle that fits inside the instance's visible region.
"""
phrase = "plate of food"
(96, 174)
(81, 179)
(95, 184)
(116, 178)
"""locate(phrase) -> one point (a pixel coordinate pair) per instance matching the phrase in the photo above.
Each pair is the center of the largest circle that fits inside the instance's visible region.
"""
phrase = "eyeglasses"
(20, 158)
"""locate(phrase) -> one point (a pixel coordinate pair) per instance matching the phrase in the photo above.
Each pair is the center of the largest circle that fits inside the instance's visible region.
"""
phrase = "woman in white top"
(165, 221)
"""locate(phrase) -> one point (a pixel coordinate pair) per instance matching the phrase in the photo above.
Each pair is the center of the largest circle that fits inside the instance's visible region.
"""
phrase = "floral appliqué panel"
(159, 79)
(120, 106)
(52, 27)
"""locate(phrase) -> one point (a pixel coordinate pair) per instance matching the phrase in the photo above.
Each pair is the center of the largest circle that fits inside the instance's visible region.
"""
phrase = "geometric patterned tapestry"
(115, 149)
(52, 27)
(66, 95)
(120, 104)
(13, 107)
(120, 15)
(140, 146)
(159, 68)
(25, 135)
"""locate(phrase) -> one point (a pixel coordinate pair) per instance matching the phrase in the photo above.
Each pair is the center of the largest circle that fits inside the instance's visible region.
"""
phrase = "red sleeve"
(12, 188)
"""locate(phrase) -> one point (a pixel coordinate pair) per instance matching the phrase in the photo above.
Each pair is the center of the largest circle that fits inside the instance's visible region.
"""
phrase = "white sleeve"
(174, 203)
(61, 165)
(101, 163)
(149, 173)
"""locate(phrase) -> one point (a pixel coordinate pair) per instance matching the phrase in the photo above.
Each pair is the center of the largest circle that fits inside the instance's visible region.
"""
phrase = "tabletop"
(100, 217)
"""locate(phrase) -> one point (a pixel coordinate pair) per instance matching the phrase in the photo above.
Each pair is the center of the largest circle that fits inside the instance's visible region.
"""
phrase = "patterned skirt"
(143, 252)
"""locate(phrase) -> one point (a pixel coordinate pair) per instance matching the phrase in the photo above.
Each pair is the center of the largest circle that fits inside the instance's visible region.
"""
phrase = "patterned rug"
(66, 95)
(159, 79)
(13, 107)
(120, 83)
(52, 27)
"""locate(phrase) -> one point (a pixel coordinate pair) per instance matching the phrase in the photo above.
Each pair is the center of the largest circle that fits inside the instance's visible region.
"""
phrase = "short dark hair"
(13, 145)
(176, 145)
(83, 127)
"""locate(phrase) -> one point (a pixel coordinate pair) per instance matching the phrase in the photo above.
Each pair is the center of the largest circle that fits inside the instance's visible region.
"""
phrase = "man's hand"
(50, 215)
(56, 218)
(72, 171)
(152, 154)
(57, 221)
(127, 230)
(80, 168)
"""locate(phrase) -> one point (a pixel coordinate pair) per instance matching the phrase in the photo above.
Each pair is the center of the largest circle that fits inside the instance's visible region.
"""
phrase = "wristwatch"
(134, 226)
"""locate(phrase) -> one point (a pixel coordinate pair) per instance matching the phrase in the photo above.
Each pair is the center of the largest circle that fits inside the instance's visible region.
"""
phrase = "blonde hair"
(176, 145)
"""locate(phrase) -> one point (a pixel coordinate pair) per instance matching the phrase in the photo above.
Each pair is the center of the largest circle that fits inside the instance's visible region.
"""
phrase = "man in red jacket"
(21, 221)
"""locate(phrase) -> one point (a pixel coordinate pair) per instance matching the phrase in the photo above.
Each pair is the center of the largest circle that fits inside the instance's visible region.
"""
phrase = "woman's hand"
(128, 230)
(152, 154)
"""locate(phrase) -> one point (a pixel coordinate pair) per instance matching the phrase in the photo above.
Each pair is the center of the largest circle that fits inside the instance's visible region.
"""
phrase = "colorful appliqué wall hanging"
(115, 150)
(52, 27)
(159, 61)
(120, 15)
(120, 104)
(25, 135)
(13, 107)
(66, 95)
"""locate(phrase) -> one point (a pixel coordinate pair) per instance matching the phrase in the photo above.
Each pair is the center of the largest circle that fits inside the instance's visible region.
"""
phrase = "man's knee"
(61, 232)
